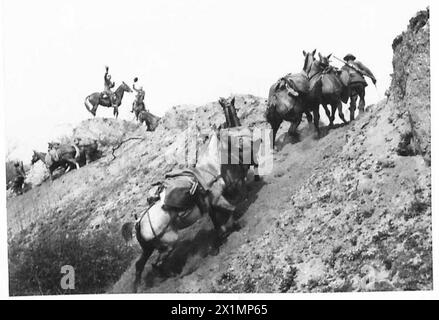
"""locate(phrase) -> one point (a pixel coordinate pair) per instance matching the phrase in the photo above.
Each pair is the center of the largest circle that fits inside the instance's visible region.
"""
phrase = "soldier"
(360, 68)
(108, 85)
(20, 176)
(140, 96)
(357, 84)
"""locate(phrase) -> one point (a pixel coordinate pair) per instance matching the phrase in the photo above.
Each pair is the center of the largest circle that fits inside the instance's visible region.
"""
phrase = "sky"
(184, 52)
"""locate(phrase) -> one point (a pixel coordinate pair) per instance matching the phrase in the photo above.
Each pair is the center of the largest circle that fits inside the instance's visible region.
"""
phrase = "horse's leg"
(76, 164)
(316, 116)
(292, 131)
(339, 106)
(163, 256)
(353, 105)
(87, 158)
(147, 250)
(94, 109)
(115, 112)
(308, 117)
(330, 115)
(362, 103)
(221, 205)
(257, 177)
(168, 240)
(275, 127)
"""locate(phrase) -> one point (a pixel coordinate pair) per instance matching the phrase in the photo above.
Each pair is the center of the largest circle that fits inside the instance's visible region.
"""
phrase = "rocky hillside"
(83, 210)
(348, 212)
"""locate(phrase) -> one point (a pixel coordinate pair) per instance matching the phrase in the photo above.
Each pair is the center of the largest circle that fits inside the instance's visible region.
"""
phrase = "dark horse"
(235, 171)
(150, 120)
(95, 99)
(293, 95)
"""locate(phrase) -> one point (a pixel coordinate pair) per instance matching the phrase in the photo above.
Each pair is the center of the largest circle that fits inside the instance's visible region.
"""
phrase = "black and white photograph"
(235, 148)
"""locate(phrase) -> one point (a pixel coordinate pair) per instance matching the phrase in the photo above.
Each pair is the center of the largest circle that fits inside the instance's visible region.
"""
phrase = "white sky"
(184, 52)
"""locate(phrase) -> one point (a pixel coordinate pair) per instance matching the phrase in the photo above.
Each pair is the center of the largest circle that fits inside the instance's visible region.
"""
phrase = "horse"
(235, 171)
(158, 226)
(293, 95)
(38, 156)
(138, 106)
(52, 166)
(88, 149)
(333, 90)
(95, 99)
(63, 155)
(150, 120)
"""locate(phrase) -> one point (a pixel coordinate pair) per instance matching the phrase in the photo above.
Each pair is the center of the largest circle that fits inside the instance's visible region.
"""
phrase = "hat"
(349, 57)
(135, 79)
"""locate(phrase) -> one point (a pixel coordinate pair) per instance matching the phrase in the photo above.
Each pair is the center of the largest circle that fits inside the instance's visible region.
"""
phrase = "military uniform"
(140, 96)
(352, 75)
(357, 70)
(20, 176)
(108, 85)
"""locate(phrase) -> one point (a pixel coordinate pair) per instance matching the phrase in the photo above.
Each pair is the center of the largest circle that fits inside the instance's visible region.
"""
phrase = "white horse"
(158, 228)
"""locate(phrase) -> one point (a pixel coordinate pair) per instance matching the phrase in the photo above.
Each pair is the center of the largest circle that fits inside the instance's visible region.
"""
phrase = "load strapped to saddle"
(184, 186)
(237, 146)
(349, 76)
(296, 84)
(57, 150)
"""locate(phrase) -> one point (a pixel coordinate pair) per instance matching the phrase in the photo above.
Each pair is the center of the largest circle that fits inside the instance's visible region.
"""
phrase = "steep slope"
(349, 212)
(84, 209)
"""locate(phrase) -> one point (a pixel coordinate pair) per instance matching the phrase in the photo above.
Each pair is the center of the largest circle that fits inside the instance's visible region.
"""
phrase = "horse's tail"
(88, 105)
(127, 231)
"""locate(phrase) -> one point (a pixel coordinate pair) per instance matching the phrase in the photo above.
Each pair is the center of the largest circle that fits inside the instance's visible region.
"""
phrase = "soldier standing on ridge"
(108, 85)
(140, 96)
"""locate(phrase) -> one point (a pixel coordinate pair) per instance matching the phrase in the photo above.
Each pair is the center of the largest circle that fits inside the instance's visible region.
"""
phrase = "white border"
(416, 295)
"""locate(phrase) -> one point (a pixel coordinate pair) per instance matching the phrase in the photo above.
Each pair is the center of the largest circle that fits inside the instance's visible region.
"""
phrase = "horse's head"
(34, 158)
(230, 112)
(126, 87)
(225, 103)
(309, 60)
(324, 61)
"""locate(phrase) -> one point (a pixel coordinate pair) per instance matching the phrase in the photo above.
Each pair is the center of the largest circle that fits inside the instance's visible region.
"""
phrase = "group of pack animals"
(67, 156)
(317, 84)
(186, 195)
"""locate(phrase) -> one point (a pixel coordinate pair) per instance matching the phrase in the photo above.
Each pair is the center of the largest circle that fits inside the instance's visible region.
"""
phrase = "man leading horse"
(352, 76)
